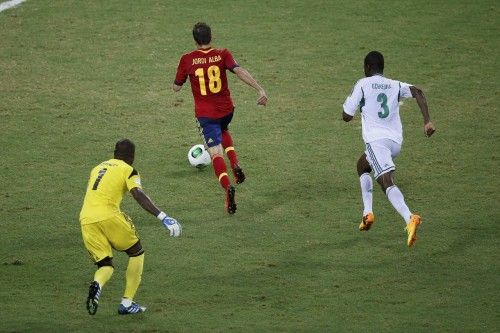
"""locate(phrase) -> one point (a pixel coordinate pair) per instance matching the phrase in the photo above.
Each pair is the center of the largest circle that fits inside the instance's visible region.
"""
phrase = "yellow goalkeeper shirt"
(108, 183)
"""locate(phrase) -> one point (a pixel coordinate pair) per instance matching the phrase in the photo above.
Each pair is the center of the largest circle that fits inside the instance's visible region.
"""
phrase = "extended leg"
(397, 200)
(394, 195)
(366, 183)
(101, 276)
(227, 144)
(221, 173)
(132, 280)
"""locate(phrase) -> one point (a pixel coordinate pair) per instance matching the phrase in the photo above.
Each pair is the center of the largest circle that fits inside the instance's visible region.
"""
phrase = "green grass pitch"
(75, 76)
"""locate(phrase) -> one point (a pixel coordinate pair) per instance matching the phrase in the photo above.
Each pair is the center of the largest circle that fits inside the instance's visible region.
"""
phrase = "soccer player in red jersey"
(206, 68)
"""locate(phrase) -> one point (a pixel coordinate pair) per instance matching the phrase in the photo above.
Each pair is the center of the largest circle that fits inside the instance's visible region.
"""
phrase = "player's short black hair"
(375, 60)
(202, 33)
(124, 148)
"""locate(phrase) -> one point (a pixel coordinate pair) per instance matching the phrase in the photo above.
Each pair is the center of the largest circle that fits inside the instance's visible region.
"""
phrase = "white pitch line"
(9, 4)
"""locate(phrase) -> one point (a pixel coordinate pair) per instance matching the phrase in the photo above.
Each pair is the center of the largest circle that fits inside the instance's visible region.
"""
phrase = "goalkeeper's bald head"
(125, 150)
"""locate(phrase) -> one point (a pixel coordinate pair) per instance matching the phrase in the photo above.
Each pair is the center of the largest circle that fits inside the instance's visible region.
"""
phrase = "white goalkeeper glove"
(171, 224)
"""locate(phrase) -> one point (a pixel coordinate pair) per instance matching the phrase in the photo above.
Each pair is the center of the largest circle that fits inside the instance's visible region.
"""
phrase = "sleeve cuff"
(161, 216)
(232, 68)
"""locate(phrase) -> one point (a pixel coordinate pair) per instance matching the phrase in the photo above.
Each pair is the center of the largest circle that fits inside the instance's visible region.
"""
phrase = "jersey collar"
(206, 50)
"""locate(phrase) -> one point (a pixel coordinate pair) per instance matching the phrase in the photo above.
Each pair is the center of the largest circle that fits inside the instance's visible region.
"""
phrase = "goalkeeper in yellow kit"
(105, 227)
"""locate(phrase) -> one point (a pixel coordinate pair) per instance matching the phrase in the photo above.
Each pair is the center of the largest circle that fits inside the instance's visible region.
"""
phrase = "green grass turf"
(75, 76)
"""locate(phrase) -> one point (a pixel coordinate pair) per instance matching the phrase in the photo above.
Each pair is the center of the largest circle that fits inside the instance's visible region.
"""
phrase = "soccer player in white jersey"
(378, 98)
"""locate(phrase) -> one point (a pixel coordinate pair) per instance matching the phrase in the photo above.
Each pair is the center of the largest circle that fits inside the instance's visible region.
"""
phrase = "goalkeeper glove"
(171, 224)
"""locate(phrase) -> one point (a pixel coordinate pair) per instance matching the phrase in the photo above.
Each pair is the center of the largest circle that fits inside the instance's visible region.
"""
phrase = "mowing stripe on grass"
(9, 4)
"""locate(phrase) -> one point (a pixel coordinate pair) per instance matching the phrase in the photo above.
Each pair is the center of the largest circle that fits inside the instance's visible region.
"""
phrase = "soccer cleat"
(366, 222)
(93, 298)
(230, 202)
(411, 228)
(132, 309)
(238, 174)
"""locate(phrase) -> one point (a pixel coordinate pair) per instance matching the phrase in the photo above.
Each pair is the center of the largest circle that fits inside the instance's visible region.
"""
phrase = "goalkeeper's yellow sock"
(103, 274)
(133, 276)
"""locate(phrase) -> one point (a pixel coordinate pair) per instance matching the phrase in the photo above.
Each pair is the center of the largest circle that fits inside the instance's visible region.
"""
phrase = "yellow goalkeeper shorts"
(101, 237)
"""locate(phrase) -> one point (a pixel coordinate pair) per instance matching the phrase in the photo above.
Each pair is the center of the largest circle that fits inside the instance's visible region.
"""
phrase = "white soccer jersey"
(378, 97)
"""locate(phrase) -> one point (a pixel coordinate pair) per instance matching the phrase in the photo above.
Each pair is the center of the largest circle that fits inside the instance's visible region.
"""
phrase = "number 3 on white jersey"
(382, 98)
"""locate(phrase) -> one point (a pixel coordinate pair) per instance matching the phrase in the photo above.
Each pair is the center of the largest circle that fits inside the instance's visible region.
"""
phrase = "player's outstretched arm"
(246, 77)
(418, 94)
(144, 201)
(147, 204)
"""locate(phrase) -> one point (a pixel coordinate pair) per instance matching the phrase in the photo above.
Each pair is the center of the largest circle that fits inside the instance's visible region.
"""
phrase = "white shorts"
(380, 155)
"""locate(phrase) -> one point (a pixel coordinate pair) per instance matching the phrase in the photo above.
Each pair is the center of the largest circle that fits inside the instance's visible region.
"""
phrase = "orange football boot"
(366, 222)
(411, 228)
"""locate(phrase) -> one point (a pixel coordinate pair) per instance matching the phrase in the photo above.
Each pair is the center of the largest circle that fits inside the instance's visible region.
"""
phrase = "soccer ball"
(198, 156)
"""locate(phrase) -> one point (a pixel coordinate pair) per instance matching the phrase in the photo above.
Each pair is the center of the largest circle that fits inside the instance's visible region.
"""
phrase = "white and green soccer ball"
(198, 156)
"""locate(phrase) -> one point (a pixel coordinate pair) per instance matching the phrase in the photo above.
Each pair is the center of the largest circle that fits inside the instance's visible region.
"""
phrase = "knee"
(385, 181)
(216, 151)
(105, 262)
(383, 187)
(135, 250)
(363, 170)
(363, 166)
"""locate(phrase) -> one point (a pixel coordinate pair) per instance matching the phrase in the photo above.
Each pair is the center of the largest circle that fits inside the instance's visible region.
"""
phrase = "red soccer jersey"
(206, 69)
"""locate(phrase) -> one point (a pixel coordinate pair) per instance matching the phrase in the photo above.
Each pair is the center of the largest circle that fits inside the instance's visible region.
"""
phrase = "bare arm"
(246, 77)
(176, 88)
(170, 223)
(144, 201)
(352, 102)
(429, 128)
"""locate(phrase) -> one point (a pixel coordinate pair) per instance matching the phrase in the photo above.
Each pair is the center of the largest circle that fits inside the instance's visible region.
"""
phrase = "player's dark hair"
(124, 148)
(202, 33)
(375, 60)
